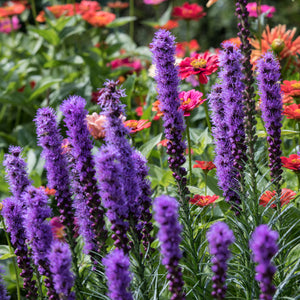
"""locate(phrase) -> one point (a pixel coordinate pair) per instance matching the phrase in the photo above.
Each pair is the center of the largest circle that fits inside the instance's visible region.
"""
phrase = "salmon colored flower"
(48, 192)
(199, 64)
(292, 111)
(252, 10)
(163, 143)
(155, 107)
(188, 12)
(96, 125)
(136, 126)
(57, 228)
(279, 40)
(117, 5)
(186, 47)
(10, 10)
(190, 100)
(58, 11)
(204, 165)
(203, 200)
(292, 162)
(171, 24)
(286, 196)
(99, 18)
(85, 6)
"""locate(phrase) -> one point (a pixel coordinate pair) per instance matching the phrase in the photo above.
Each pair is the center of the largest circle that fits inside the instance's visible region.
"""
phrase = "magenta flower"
(7, 25)
(153, 2)
(190, 100)
(252, 10)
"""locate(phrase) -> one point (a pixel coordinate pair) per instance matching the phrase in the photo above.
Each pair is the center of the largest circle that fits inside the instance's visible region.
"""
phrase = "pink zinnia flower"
(153, 2)
(6, 26)
(252, 9)
(190, 100)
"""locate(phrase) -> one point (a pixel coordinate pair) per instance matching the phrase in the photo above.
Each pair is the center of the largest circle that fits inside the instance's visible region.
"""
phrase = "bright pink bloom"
(153, 2)
(252, 9)
(190, 100)
(6, 25)
(188, 11)
(135, 64)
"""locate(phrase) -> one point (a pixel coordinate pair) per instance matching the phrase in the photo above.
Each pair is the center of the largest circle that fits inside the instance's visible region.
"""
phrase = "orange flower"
(171, 24)
(99, 18)
(210, 3)
(292, 162)
(58, 11)
(204, 165)
(155, 107)
(203, 200)
(290, 89)
(163, 143)
(117, 5)
(48, 192)
(286, 196)
(136, 126)
(184, 47)
(279, 40)
(292, 111)
(236, 41)
(188, 11)
(95, 124)
(85, 6)
(15, 9)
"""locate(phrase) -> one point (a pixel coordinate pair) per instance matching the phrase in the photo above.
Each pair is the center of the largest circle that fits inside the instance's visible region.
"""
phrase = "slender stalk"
(33, 9)
(258, 11)
(188, 135)
(205, 179)
(131, 13)
(205, 108)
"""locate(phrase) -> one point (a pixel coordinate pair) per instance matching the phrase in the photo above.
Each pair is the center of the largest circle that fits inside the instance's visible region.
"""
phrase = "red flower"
(136, 126)
(286, 196)
(203, 200)
(15, 9)
(204, 165)
(85, 6)
(48, 192)
(201, 64)
(292, 111)
(163, 143)
(171, 24)
(139, 111)
(292, 162)
(98, 18)
(134, 64)
(290, 89)
(117, 5)
(188, 11)
(183, 47)
(190, 100)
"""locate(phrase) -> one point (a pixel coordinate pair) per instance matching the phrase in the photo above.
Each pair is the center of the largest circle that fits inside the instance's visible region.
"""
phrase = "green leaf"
(283, 132)
(7, 255)
(166, 16)
(128, 85)
(202, 141)
(49, 35)
(212, 184)
(43, 86)
(147, 147)
(120, 22)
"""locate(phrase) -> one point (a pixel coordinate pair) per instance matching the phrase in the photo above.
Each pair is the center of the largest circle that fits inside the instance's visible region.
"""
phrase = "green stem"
(205, 179)
(205, 107)
(33, 9)
(14, 260)
(189, 148)
(131, 13)
(258, 11)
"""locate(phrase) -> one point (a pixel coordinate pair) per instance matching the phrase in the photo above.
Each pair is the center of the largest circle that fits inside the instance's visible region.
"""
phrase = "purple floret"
(219, 238)
(3, 291)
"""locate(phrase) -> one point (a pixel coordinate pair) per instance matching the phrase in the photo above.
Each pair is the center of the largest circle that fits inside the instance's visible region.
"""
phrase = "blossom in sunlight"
(290, 89)
(118, 5)
(137, 125)
(286, 196)
(188, 11)
(190, 100)
(203, 200)
(7, 25)
(99, 18)
(252, 10)
(10, 10)
(199, 64)
(186, 47)
(171, 24)
(292, 162)
(96, 125)
(279, 40)
(292, 111)
(204, 165)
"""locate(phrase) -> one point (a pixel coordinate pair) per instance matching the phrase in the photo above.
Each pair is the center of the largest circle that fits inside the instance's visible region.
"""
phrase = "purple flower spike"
(166, 215)
(268, 77)
(13, 214)
(264, 247)
(89, 212)
(219, 238)
(60, 266)
(163, 49)
(57, 173)
(118, 275)
(15, 168)
(3, 291)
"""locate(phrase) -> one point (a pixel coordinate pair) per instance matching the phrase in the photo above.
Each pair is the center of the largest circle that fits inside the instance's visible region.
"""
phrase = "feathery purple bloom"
(60, 266)
(163, 49)
(15, 168)
(57, 173)
(264, 247)
(89, 213)
(3, 291)
(219, 238)
(268, 77)
(13, 214)
(118, 275)
(166, 215)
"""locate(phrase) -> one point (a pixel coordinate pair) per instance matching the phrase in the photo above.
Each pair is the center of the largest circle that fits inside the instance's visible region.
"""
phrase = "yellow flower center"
(296, 161)
(186, 102)
(296, 86)
(297, 111)
(132, 124)
(278, 45)
(198, 63)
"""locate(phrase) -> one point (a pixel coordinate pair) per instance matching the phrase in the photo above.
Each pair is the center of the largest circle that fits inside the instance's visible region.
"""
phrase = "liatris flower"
(269, 88)
(3, 291)
(38, 232)
(231, 76)
(219, 238)
(225, 171)
(163, 50)
(57, 173)
(109, 172)
(116, 134)
(15, 168)
(166, 215)
(264, 247)
(118, 275)
(13, 214)
(60, 267)
(89, 213)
